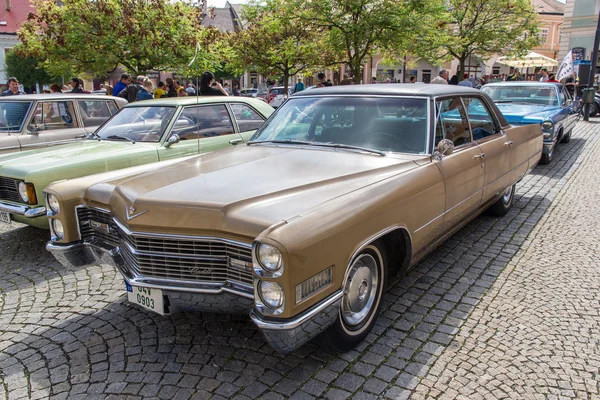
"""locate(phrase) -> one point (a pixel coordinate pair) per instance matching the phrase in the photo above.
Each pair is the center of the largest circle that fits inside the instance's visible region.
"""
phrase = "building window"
(543, 35)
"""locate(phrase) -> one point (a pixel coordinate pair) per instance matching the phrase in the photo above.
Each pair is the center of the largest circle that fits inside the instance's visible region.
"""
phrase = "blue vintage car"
(545, 103)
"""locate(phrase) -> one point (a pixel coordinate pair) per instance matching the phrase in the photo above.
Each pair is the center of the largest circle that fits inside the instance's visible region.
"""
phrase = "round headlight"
(547, 125)
(271, 293)
(57, 228)
(23, 192)
(270, 257)
(53, 204)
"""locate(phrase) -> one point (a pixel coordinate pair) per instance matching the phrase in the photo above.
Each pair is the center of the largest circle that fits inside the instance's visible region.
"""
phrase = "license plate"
(152, 299)
(4, 217)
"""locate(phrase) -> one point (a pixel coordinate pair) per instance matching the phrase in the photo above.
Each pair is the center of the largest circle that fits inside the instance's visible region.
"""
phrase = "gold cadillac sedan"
(301, 226)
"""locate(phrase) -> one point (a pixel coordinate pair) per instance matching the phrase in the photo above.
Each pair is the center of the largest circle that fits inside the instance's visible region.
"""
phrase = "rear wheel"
(504, 203)
(363, 290)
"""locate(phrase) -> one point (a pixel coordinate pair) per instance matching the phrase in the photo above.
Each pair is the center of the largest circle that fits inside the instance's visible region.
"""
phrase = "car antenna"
(195, 60)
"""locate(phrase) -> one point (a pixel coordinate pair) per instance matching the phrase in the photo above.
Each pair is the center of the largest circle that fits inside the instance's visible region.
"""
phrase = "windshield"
(381, 124)
(142, 124)
(543, 95)
(12, 115)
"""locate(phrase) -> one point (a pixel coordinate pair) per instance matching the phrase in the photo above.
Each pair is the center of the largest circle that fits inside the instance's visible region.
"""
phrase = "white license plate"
(4, 217)
(152, 299)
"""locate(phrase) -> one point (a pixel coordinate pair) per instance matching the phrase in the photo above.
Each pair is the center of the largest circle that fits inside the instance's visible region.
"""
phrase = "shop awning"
(531, 59)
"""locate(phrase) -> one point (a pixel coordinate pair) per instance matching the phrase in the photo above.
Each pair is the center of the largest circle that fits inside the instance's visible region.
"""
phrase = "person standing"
(299, 86)
(210, 87)
(54, 88)
(544, 73)
(465, 82)
(236, 90)
(346, 80)
(374, 80)
(190, 89)
(412, 79)
(131, 91)
(145, 92)
(442, 78)
(13, 87)
(122, 84)
(514, 76)
(171, 90)
(322, 81)
(76, 85)
(160, 91)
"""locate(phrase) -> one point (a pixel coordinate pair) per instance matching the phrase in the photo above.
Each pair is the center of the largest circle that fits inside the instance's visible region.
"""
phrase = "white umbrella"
(531, 59)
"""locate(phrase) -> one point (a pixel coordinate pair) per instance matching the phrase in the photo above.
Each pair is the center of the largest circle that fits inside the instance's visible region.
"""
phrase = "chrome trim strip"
(298, 321)
(375, 237)
(9, 148)
(173, 255)
(23, 210)
(170, 235)
(50, 144)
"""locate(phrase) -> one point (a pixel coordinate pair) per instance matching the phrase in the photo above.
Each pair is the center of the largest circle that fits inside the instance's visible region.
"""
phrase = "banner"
(566, 67)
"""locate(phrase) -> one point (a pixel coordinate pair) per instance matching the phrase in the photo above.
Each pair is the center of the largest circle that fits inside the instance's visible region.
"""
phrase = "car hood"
(80, 155)
(516, 113)
(241, 191)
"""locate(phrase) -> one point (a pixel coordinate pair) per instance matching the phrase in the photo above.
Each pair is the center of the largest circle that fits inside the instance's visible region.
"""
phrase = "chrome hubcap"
(507, 195)
(360, 290)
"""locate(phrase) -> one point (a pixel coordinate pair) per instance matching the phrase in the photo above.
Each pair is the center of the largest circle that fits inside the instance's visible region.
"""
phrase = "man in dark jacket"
(122, 84)
(131, 91)
(13, 87)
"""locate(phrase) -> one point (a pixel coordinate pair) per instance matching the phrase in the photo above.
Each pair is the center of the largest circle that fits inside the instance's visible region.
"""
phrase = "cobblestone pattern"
(506, 308)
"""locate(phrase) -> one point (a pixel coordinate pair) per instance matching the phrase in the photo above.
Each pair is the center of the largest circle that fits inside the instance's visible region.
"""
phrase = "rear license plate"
(4, 217)
(152, 299)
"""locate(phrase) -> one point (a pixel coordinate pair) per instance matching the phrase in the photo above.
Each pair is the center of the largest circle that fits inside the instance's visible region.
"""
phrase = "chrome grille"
(96, 225)
(184, 258)
(9, 189)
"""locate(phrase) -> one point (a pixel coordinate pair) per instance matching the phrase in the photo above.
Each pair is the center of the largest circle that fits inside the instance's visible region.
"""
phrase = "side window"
(482, 122)
(246, 117)
(54, 115)
(563, 96)
(95, 112)
(203, 122)
(452, 123)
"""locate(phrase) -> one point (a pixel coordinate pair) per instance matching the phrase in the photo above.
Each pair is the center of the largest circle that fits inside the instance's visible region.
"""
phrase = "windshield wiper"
(117, 137)
(503, 101)
(94, 135)
(320, 144)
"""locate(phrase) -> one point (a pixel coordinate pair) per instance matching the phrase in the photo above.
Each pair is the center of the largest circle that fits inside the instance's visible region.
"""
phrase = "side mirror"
(174, 138)
(445, 147)
(33, 129)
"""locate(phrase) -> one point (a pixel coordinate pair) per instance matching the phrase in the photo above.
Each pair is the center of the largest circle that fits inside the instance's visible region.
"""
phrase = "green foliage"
(484, 28)
(95, 36)
(276, 42)
(28, 70)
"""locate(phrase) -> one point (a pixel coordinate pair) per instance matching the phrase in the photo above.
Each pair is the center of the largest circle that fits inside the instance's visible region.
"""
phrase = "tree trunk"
(356, 68)
(461, 69)
(286, 78)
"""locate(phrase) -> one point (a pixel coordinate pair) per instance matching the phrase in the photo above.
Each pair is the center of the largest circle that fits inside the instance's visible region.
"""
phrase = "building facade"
(579, 28)
(12, 14)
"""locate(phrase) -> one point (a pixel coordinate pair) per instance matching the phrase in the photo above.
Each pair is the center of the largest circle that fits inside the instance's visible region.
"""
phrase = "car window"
(561, 96)
(482, 122)
(383, 124)
(95, 112)
(247, 119)
(12, 115)
(142, 124)
(529, 94)
(452, 123)
(203, 122)
(49, 115)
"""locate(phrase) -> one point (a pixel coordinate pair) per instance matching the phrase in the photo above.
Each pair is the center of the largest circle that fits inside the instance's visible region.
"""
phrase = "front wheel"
(363, 290)
(547, 157)
(567, 137)
(504, 203)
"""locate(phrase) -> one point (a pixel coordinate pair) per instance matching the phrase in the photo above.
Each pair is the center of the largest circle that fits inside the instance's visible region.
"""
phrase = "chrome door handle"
(509, 143)
(482, 155)
(235, 141)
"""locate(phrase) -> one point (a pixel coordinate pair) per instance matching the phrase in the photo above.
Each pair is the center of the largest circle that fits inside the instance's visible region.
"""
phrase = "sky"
(221, 3)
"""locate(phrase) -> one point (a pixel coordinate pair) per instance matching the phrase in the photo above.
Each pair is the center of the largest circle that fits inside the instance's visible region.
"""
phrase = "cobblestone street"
(506, 308)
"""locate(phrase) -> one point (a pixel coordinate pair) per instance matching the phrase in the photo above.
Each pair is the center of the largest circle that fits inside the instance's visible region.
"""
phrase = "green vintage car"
(140, 133)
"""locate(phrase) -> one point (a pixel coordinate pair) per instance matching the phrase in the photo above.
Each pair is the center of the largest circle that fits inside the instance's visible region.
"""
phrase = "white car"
(276, 95)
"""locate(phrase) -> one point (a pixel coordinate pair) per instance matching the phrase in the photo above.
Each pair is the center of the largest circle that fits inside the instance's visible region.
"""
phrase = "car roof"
(524, 83)
(391, 89)
(51, 96)
(190, 100)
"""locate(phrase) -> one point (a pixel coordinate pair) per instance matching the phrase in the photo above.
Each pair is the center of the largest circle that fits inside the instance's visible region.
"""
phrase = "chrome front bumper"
(25, 210)
(283, 335)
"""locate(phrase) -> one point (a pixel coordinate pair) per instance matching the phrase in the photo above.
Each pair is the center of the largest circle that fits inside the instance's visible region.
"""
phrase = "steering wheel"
(389, 138)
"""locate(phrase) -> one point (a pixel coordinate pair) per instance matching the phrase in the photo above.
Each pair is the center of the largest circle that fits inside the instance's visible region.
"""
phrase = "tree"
(484, 28)
(275, 43)
(360, 28)
(96, 36)
(28, 70)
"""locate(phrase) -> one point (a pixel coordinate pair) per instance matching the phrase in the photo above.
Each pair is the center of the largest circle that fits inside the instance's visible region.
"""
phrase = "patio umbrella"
(531, 59)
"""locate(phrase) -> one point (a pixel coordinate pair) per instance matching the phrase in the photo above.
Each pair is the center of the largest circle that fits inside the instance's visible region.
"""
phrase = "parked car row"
(299, 223)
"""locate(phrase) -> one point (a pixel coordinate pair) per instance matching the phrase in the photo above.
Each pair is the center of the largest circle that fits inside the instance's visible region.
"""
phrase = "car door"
(52, 122)
(201, 129)
(571, 111)
(463, 169)
(495, 148)
(247, 119)
(95, 112)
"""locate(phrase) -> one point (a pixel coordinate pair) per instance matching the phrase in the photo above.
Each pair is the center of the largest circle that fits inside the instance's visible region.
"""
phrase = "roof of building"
(548, 6)
(224, 19)
(11, 19)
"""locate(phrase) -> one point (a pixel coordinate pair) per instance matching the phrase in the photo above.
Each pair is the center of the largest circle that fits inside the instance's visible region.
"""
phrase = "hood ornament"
(130, 213)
